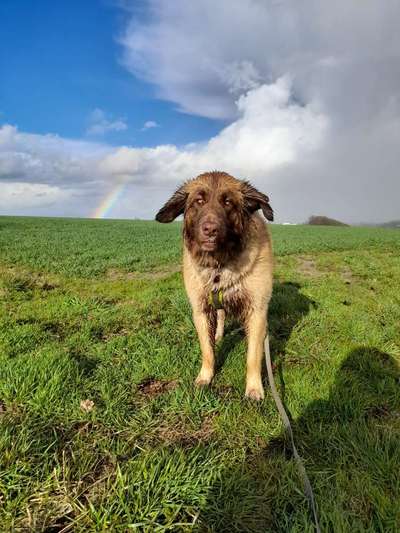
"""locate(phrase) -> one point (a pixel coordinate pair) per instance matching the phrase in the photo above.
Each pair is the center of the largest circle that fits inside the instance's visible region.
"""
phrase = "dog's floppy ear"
(254, 200)
(174, 207)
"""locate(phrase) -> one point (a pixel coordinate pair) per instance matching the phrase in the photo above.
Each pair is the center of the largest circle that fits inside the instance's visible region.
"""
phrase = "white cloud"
(150, 124)
(18, 196)
(269, 132)
(100, 123)
(47, 158)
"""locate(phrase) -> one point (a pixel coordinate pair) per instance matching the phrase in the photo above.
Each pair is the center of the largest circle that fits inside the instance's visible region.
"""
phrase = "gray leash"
(286, 422)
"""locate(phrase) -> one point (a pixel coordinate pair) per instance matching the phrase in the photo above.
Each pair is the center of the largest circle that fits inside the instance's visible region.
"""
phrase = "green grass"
(86, 248)
(96, 310)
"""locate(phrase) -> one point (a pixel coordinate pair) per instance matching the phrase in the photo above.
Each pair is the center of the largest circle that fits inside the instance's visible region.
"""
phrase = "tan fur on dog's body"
(244, 276)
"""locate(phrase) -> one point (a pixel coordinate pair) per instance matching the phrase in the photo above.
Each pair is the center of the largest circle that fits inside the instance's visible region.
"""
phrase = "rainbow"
(108, 202)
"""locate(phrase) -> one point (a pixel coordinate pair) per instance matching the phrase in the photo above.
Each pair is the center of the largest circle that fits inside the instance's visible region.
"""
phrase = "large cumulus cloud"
(202, 54)
(342, 58)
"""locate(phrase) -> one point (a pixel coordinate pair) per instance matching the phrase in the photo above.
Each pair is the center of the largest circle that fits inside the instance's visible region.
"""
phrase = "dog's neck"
(215, 260)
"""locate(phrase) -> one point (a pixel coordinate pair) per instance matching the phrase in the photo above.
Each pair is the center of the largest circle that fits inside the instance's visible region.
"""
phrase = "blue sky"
(61, 60)
(300, 98)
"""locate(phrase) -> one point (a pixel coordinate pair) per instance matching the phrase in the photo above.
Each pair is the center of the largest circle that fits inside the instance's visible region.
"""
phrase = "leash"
(216, 300)
(286, 422)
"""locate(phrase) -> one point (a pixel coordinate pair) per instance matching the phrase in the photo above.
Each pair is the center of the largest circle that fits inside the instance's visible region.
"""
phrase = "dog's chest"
(229, 285)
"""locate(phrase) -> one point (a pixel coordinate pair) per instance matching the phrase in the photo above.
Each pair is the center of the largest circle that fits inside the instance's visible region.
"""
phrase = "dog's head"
(217, 209)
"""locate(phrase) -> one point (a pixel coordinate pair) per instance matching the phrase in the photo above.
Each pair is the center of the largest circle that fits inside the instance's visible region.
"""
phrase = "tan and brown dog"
(227, 264)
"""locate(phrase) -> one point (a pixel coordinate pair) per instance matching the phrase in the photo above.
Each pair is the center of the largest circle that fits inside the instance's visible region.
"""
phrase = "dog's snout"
(209, 228)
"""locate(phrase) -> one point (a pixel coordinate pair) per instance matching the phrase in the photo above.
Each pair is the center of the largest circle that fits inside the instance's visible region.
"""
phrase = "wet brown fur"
(240, 266)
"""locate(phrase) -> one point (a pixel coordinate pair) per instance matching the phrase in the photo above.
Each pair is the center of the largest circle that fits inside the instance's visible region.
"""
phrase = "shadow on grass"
(287, 308)
(351, 445)
(86, 365)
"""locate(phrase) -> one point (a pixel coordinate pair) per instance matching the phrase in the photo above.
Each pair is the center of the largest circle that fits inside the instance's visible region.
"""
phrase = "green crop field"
(101, 428)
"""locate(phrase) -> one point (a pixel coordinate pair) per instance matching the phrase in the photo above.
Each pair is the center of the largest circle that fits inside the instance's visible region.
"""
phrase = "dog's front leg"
(256, 324)
(206, 323)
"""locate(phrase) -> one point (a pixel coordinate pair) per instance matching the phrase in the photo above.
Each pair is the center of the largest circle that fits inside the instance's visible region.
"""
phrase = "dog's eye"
(200, 201)
(227, 202)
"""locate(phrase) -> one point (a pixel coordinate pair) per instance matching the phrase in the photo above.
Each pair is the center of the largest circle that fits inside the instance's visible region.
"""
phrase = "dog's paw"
(203, 379)
(255, 393)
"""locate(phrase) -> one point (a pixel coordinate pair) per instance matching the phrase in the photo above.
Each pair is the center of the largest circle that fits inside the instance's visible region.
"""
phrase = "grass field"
(95, 310)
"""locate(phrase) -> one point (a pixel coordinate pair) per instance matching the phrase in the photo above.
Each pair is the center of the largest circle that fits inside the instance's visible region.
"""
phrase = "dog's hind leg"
(220, 325)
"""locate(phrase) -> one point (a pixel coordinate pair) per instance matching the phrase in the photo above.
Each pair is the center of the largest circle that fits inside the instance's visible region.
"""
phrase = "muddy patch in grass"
(27, 282)
(182, 434)
(307, 267)
(378, 411)
(152, 387)
(167, 271)
(347, 276)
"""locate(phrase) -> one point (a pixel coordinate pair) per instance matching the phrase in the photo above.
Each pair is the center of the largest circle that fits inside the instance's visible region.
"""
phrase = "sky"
(106, 106)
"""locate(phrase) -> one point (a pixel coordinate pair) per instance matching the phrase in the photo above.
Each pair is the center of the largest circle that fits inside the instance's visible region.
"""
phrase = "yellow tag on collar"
(216, 299)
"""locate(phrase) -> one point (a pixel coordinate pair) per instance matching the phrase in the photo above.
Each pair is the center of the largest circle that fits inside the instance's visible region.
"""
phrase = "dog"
(227, 264)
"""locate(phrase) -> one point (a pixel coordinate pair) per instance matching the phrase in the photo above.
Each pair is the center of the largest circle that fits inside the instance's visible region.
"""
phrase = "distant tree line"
(324, 221)
(391, 224)
(319, 220)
